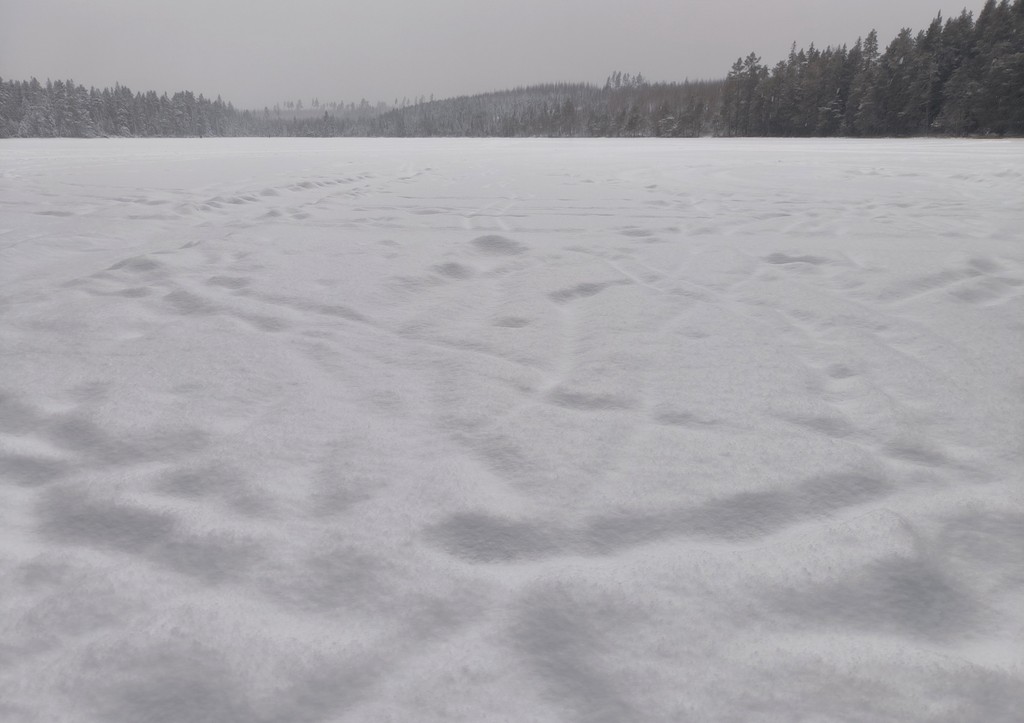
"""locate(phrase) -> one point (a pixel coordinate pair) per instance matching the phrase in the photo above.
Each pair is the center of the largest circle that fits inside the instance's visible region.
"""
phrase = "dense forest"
(625, 106)
(956, 77)
(960, 76)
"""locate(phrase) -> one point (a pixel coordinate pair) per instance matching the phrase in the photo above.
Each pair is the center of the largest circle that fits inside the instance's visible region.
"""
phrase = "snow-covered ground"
(452, 430)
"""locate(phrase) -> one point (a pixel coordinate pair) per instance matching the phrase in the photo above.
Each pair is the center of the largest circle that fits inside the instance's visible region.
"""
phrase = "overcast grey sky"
(258, 52)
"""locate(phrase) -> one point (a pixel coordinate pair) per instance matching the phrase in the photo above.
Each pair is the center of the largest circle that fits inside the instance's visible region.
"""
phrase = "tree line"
(565, 110)
(61, 109)
(957, 77)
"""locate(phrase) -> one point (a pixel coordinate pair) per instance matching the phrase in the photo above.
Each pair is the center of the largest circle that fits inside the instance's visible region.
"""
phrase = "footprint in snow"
(495, 245)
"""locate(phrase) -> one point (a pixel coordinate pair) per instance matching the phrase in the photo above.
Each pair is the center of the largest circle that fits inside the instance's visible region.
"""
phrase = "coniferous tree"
(901, 110)
(866, 92)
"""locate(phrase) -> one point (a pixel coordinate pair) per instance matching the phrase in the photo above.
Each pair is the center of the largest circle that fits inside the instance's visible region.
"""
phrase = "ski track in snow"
(358, 430)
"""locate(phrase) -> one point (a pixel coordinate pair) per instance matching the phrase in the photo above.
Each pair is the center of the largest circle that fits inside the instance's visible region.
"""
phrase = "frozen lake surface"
(457, 430)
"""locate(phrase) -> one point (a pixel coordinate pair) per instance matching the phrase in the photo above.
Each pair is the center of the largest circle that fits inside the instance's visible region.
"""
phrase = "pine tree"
(866, 91)
(902, 109)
